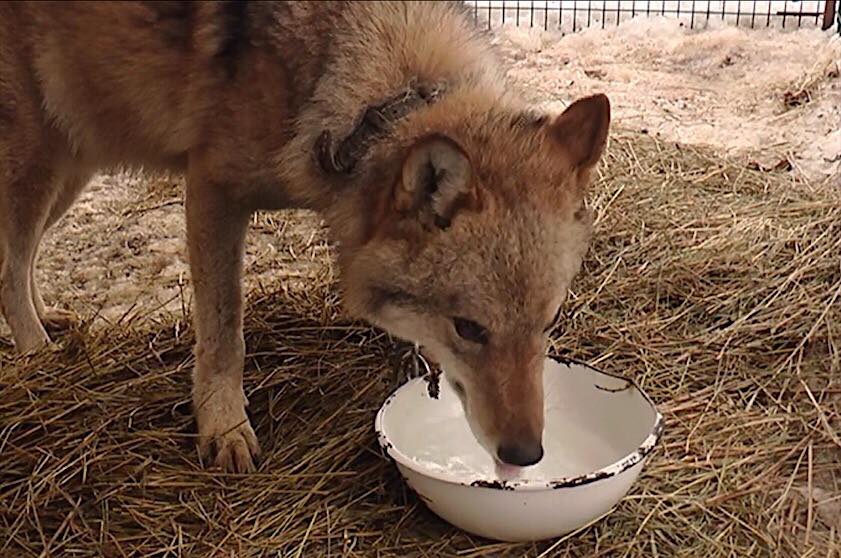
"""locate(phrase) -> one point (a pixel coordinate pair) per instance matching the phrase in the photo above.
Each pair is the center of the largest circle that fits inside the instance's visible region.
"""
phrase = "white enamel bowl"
(599, 431)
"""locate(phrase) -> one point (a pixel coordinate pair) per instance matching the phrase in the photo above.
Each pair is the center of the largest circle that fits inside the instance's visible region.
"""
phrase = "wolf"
(457, 207)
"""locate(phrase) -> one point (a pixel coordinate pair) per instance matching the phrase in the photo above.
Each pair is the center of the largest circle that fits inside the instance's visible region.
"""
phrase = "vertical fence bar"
(753, 15)
(574, 14)
(828, 13)
(561, 16)
(738, 11)
(546, 17)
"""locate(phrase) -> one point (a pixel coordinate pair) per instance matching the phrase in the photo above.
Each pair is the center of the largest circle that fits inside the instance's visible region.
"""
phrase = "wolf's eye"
(470, 331)
(554, 321)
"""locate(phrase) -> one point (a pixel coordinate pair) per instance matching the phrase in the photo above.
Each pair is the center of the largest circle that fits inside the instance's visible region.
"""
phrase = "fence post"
(828, 14)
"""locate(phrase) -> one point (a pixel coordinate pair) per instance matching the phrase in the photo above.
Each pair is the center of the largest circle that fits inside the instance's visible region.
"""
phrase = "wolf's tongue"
(506, 472)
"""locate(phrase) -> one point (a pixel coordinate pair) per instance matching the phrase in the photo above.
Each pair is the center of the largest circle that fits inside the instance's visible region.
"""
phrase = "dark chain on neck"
(376, 122)
(409, 363)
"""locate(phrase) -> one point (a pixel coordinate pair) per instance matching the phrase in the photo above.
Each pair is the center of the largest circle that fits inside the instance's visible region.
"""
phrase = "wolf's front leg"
(216, 228)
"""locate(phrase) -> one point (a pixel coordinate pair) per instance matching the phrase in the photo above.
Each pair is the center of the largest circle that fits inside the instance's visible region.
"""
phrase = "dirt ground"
(119, 254)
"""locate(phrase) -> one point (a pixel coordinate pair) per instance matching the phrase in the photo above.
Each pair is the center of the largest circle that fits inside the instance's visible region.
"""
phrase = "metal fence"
(573, 15)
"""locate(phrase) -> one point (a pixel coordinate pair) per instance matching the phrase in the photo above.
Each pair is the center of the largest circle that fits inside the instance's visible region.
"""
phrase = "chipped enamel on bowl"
(599, 430)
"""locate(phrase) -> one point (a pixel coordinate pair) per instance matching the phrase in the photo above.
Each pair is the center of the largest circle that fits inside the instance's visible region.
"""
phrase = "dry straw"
(715, 286)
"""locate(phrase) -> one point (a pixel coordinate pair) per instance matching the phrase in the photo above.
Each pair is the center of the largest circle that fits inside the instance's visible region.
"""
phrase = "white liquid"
(446, 445)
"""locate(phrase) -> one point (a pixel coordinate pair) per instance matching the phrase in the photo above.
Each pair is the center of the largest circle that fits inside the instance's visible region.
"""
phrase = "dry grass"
(716, 287)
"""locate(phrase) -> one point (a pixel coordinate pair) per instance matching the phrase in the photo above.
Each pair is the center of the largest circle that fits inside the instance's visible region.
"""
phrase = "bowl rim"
(616, 468)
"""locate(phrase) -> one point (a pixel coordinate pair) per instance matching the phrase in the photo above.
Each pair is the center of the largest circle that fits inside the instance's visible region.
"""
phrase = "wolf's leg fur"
(216, 230)
(57, 319)
(34, 159)
(25, 210)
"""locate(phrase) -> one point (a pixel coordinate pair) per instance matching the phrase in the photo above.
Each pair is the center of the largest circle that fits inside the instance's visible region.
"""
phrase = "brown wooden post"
(828, 14)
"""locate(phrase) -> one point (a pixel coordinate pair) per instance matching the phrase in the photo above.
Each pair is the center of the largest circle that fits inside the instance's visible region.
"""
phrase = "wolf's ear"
(582, 130)
(435, 183)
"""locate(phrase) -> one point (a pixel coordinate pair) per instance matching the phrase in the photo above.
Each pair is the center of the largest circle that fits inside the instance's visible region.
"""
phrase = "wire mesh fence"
(573, 15)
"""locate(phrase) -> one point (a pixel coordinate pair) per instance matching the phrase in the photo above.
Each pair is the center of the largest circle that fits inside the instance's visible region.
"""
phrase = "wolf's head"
(469, 251)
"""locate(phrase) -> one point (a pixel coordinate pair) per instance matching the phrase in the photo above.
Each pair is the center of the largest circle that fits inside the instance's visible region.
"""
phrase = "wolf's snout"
(520, 453)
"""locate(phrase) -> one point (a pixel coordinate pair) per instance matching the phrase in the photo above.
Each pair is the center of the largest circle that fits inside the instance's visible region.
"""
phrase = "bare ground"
(763, 96)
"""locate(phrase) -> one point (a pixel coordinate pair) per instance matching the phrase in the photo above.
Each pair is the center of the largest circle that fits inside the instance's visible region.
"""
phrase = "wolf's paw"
(56, 320)
(225, 432)
(32, 342)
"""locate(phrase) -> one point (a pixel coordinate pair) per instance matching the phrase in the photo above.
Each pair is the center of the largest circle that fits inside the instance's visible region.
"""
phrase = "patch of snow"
(763, 94)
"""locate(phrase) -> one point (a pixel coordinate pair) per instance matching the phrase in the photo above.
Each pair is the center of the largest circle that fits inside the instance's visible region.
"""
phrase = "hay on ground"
(714, 286)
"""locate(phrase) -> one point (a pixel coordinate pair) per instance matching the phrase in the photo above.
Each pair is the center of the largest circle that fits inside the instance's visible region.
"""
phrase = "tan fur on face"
(506, 263)
(508, 272)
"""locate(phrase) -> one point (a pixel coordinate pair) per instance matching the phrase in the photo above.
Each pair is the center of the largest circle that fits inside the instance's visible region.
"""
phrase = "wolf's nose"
(521, 454)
